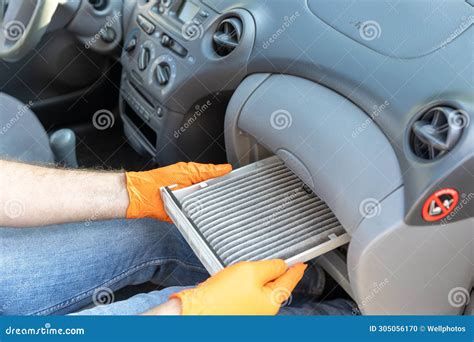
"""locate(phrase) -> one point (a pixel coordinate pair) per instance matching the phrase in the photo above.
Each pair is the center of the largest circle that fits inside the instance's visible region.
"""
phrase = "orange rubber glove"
(144, 187)
(245, 288)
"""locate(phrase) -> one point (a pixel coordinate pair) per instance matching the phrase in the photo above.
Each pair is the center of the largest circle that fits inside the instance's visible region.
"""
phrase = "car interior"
(348, 125)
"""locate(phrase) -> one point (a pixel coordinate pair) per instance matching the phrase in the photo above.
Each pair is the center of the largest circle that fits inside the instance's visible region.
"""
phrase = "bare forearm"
(34, 196)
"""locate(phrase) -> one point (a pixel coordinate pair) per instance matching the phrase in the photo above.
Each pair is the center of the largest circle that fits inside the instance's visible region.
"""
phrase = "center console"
(181, 61)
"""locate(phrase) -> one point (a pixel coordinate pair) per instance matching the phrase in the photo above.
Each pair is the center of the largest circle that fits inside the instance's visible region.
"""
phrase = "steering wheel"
(22, 25)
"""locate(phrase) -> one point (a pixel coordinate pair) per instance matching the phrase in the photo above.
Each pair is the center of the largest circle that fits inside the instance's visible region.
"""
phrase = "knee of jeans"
(179, 273)
(163, 239)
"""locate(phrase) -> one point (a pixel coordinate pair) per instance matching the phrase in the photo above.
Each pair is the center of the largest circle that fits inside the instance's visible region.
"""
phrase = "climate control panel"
(146, 65)
(183, 50)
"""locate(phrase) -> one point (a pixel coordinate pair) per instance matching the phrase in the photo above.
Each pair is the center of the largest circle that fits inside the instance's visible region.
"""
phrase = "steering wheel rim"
(23, 24)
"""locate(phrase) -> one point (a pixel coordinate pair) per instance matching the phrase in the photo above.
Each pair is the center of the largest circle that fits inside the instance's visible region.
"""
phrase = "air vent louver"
(227, 36)
(437, 131)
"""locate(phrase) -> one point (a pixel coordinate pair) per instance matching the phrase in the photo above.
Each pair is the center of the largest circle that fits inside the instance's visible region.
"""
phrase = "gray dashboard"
(393, 77)
(368, 102)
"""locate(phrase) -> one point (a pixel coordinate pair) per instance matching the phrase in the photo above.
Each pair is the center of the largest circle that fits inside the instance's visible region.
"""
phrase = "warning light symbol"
(440, 204)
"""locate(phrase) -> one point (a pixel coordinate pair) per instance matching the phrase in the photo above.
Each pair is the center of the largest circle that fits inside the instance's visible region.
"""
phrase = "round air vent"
(437, 131)
(227, 36)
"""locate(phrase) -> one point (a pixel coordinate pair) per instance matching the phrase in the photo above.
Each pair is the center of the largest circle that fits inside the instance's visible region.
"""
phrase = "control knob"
(144, 58)
(163, 73)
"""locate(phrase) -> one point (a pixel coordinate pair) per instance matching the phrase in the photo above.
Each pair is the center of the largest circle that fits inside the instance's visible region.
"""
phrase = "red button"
(440, 204)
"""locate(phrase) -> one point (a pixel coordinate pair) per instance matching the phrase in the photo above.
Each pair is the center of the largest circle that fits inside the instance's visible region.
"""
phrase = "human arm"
(33, 195)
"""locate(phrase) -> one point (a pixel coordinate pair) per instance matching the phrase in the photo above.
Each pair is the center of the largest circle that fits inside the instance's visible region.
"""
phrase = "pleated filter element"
(260, 211)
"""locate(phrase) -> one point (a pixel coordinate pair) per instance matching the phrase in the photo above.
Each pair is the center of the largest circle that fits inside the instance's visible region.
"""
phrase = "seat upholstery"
(22, 137)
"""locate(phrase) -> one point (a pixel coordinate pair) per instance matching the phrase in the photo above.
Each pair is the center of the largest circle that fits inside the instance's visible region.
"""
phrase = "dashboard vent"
(227, 36)
(437, 131)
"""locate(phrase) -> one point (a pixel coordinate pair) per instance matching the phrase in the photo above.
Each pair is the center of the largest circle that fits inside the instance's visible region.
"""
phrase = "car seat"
(23, 138)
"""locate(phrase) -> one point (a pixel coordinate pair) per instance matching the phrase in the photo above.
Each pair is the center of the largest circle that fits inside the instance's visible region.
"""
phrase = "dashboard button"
(165, 40)
(145, 24)
(159, 111)
(132, 43)
(173, 45)
(178, 49)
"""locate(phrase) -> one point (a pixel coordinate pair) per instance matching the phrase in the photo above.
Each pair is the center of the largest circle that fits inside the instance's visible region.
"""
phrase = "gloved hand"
(144, 187)
(246, 288)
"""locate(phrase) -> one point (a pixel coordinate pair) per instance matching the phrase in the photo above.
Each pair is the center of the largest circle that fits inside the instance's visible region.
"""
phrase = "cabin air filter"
(260, 211)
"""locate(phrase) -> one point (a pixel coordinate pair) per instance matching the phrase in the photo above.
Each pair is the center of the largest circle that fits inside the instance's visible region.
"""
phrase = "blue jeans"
(62, 269)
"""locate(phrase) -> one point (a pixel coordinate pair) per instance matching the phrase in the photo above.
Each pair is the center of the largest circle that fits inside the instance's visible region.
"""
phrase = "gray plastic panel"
(88, 24)
(315, 131)
(416, 23)
(240, 147)
(398, 269)
(292, 40)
